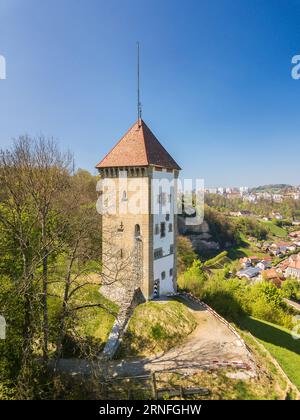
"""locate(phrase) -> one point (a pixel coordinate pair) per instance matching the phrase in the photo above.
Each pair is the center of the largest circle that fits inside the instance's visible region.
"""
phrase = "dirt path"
(295, 305)
(210, 343)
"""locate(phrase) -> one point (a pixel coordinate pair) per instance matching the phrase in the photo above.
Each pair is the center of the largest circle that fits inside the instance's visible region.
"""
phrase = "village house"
(271, 275)
(266, 246)
(293, 267)
(277, 216)
(265, 264)
(245, 262)
(240, 213)
(282, 248)
(249, 273)
(278, 198)
(295, 235)
(249, 261)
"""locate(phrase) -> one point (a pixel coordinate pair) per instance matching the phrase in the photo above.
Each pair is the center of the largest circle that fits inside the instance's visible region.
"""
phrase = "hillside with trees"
(49, 260)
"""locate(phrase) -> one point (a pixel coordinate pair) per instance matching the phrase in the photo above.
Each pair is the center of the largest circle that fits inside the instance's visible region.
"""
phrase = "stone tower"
(137, 191)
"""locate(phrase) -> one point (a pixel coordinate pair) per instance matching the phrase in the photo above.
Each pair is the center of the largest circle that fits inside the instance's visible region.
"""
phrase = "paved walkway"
(295, 305)
(210, 343)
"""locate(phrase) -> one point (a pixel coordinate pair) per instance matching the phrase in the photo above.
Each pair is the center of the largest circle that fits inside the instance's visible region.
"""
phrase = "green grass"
(93, 323)
(279, 342)
(218, 262)
(245, 249)
(156, 327)
(274, 230)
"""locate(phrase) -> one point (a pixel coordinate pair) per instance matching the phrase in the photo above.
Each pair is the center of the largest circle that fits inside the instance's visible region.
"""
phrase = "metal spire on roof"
(139, 104)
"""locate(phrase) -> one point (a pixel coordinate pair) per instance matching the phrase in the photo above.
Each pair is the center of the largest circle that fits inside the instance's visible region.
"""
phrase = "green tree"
(291, 289)
(185, 253)
(193, 279)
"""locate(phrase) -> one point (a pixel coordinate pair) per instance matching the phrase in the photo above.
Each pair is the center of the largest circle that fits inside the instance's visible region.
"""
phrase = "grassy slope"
(279, 343)
(94, 322)
(156, 327)
(246, 249)
(274, 230)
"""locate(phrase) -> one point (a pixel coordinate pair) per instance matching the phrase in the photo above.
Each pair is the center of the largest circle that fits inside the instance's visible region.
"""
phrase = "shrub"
(193, 279)
(226, 296)
(233, 298)
(291, 289)
(267, 304)
(251, 227)
(185, 253)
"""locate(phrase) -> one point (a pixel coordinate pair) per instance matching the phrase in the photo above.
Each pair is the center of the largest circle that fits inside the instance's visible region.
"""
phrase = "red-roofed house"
(293, 268)
(272, 275)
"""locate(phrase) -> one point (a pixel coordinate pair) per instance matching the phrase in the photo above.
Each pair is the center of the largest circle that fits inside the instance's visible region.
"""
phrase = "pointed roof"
(138, 147)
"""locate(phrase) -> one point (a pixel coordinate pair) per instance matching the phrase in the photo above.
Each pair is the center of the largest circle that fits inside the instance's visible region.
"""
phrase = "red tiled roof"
(270, 274)
(284, 264)
(294, 264)
(138, 147)
(294, 234)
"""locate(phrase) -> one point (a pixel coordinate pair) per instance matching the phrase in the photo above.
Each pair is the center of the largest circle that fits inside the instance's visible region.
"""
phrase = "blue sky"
(216, 81)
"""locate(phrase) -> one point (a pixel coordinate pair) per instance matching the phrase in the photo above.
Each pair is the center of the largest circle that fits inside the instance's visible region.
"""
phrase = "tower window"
(170, 227)
(167, 217)
(162, 230)
(171, 272)
(162, 198)
(156, 229)
(163, 275)
(124, 196)
(158, 253)
(121, 227)
(137, 231)
(171, 249)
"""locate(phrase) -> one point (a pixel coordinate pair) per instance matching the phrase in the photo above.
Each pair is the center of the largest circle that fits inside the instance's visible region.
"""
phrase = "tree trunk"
(45, 293)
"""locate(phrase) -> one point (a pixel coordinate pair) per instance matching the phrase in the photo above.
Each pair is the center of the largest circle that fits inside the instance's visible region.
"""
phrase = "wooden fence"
(147, 387)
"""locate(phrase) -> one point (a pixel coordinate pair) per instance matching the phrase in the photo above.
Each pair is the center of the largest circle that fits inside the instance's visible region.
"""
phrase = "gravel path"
(295, 305)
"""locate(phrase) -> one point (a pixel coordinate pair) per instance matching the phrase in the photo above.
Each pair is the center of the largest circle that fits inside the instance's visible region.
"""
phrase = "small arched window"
(137, 231)
(124, 196)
